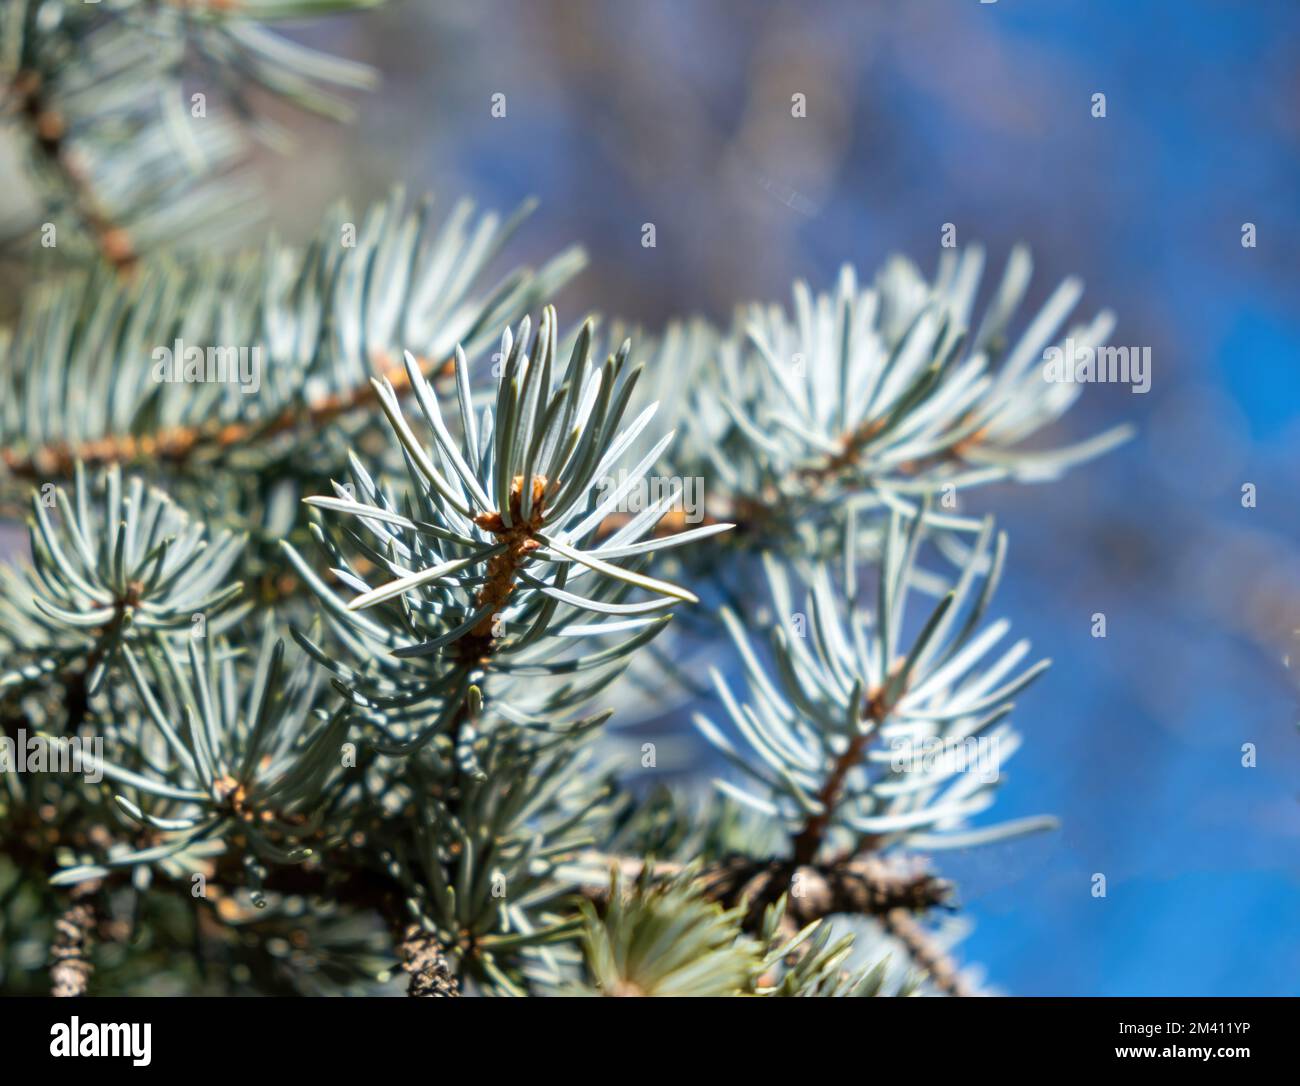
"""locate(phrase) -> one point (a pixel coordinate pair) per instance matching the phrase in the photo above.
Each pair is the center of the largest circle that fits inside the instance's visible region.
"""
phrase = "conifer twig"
(421, 957)
(809, 839)
(176, 445)
(73, 939)
(48, 129)
(927, 957)
(862, 886)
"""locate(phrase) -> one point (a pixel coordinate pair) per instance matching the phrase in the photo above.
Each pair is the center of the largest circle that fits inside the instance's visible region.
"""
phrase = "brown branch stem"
(421, 956)
(927, 957)
(73, 940)
(809, 840)
(49, 129)
(177, 445)
(864, 886)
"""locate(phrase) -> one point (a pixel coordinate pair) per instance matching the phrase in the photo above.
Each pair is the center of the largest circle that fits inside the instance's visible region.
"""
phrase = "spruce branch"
(74, 938)
(666, 939)
(926, 956)
(663, 935)
(847, 736)
(121, 564)
(287, 343)
(174, 447)
(871, 398)
(484, 551)
(252, 773)
(422, 958)
(48, 132)
(482, 580)
(484, 877)
(861, 886)
(807, 843)
(121, 155)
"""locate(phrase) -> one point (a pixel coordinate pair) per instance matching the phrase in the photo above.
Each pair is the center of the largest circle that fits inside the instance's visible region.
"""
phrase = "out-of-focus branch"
(421, 957)
(864, 886)
(177, 445)
(925, 955)
(73, 939)
(892, 891)
(48, 129)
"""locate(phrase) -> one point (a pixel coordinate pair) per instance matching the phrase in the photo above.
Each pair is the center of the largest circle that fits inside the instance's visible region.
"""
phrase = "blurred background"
(678, 113)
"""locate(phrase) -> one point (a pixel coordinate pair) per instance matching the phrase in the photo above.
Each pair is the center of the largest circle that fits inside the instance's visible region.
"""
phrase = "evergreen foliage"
(340, 650)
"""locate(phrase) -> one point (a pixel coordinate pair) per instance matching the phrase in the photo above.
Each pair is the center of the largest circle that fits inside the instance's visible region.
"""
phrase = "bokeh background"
(677, 112)
(621, 112)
